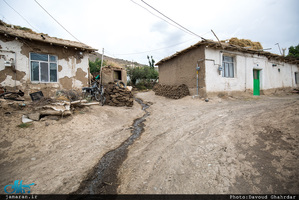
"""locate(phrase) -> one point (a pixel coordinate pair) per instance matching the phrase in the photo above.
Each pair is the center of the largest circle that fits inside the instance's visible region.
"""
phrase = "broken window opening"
(297, 77)
(43, 67)
(228, 67)
(117, 75)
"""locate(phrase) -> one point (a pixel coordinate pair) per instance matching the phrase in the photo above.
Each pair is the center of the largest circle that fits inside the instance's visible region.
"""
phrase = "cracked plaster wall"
(72, 69)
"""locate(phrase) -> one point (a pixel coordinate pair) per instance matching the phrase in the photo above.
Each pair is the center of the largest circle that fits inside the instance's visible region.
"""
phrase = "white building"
(228, 68)
(35, 62)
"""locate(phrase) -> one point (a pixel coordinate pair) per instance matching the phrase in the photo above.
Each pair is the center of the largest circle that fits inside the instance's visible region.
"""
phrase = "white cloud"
(122, 27)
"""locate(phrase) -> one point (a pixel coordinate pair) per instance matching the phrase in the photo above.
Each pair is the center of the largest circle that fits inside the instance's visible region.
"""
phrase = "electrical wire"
(160, 17)
(154, 49)
(22, 17)
(5, 19)
(173, 20)
(56, 21)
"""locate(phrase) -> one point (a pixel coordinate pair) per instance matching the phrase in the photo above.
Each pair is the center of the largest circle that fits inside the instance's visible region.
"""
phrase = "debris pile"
(173, 92)
(118, 96)
(16, 96)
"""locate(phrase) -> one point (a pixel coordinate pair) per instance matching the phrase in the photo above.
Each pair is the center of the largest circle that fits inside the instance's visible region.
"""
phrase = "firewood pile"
(118, 96)
(173, 92)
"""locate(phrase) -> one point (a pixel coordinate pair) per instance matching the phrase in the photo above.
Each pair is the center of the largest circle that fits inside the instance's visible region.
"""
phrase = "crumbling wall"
(173, 92)
(108, 74)
(117, 96)
(72, 66)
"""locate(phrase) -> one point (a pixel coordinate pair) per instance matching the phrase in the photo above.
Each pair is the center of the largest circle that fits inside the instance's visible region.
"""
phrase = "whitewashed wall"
(270, 77)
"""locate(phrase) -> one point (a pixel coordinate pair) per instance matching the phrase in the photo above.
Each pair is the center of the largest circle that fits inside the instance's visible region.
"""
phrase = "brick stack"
(117, 96)
(173, 92)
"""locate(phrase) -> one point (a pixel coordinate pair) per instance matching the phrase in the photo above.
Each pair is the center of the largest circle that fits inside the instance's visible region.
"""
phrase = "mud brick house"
(36, 62)
(226, 68)
(114, 73)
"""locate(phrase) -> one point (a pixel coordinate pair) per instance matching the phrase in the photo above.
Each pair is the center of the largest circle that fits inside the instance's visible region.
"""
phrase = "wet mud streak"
(103, 178)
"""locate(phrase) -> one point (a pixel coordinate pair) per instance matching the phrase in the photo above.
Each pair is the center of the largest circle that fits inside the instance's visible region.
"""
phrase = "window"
(297, 77)
(228, 67)
(43, 67)
(117, 75)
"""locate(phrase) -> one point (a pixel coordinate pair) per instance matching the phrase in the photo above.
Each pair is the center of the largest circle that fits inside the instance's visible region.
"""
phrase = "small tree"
(143, 74)
(151, 61)
(134, 73)
(95, 66)
(294, 51)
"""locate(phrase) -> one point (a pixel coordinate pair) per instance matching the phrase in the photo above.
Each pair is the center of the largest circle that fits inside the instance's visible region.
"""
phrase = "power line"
(56, 20)
(5, 19)
(172, 20)
(21, 16)
(160, 17)
(155, 49)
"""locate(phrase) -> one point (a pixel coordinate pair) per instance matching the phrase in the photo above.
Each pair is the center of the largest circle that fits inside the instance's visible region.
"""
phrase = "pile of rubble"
(40, 107)
(118, 96)
(51, 107)
(173, 92)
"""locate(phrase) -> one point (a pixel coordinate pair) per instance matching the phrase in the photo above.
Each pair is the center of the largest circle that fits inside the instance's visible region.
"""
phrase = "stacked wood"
(173, 92)
(118, 96)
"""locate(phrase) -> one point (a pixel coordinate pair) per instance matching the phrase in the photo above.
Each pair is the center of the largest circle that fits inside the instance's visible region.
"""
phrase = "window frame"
(228, 64)
(48, 62)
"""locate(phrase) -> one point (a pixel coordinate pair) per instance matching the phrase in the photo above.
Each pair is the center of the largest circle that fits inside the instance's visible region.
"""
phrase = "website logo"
(17, 188)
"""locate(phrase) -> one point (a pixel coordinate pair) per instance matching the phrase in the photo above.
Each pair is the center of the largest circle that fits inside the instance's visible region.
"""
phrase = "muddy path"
(102, 179)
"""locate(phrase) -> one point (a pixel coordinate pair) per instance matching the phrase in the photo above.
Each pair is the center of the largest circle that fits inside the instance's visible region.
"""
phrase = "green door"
(256, 82)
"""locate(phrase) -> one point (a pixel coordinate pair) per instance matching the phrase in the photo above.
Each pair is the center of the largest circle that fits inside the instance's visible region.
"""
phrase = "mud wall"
(72, 66)
(273, 74)
(108, 74)
(182, 70)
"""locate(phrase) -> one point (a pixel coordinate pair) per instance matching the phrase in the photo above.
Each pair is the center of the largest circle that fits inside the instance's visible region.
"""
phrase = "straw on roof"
(27, 33)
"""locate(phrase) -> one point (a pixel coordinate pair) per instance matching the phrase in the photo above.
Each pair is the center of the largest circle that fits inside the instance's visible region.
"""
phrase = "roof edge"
(226, 46)
(40, 37)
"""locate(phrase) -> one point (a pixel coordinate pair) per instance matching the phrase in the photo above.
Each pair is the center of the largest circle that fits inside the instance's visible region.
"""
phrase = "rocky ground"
(226, 145)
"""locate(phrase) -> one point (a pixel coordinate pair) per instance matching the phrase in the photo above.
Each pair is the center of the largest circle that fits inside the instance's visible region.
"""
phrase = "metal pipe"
(197, 78)
(15, 66)
(101, 67)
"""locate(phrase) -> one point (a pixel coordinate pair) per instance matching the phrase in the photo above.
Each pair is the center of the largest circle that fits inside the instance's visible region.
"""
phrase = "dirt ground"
(245, 145)
(226, 145)
(57, 155)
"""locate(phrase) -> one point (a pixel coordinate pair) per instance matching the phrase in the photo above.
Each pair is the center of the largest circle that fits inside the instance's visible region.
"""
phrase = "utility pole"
(279, 48)
(102, 66)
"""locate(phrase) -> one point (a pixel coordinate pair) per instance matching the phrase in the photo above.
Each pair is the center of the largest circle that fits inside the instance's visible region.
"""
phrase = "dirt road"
(247, 145)
(57, 155)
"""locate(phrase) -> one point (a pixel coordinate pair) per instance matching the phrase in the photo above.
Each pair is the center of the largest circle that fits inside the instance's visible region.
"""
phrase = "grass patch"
(24, 125)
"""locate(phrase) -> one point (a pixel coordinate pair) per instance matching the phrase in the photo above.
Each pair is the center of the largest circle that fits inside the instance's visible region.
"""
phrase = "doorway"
(256, 82)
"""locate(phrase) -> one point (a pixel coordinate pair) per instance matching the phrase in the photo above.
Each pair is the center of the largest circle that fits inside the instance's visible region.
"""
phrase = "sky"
(133, 29)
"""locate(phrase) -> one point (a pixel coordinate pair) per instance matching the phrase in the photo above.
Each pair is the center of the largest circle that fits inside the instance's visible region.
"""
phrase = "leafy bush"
(145, 75)
(294, 51)
(96, 66)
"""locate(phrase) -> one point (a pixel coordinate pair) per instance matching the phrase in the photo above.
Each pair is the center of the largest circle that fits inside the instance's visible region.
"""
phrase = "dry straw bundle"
(245, 43)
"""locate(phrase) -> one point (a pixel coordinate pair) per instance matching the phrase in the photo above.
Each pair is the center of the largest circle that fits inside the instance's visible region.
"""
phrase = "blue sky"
(131, 32)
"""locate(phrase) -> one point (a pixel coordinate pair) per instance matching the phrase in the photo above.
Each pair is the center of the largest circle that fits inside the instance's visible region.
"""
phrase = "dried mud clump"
(172, 92)
(118, 96)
